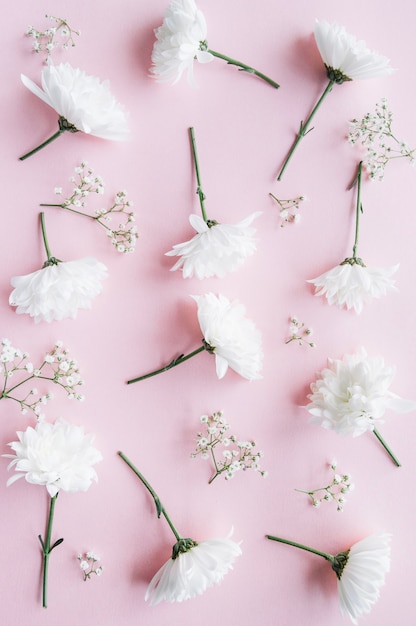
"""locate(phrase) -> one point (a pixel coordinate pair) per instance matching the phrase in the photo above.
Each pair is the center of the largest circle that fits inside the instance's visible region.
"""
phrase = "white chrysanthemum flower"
(58, 456)
(351, 395)
(178, 41)
(191, 572)
(216, 248)
(363, 574)
(352, 285)
(345, 57)
(230, 336)
(59, 289)
(84, 101)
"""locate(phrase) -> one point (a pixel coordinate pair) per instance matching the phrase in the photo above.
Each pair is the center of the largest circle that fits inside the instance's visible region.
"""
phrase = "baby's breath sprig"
(334, 492)
(57, 366)
(237, 455)
(375, 133)
(288, 209)
(124, 236)
(299, 333)
(61, 34)
(88, 564)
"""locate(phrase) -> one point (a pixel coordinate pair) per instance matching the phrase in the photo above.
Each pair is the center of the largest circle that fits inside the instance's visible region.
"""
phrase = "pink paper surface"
(145, 315)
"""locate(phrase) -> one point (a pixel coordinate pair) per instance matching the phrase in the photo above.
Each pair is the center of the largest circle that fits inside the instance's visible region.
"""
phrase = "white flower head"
(84, 102)
(58, 456)
(351, 285)
(345, 57)
(351, 395)
(178, 42)
(58, 290)
(363, 574)
(216, 248)
(192, 569)
(230, 336)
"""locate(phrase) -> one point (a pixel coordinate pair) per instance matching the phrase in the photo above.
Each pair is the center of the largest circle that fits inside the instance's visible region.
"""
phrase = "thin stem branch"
(160, 509)
(387, 448)
(47, 549)
(325, 555)
(358, 210)
(42, 145)
(243, 67)
(304, 127)
(180, 359)
(44, 236)
(199, 190)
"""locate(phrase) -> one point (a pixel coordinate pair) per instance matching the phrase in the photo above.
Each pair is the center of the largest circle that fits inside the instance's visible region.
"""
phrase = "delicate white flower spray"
(334, 492)
(374, 131)
(88, 563)
(181, 40)
(345, 59)
(59, 35)
(87, 184)
(299, 333)
(57, 366)
(194, 565)
(360, 571)
(236, 454)
(83, 103)
(288, 208)
(232, 338)
(216, 248)
(352, 284)
(59, 456)
(60, 288)
(351, 395)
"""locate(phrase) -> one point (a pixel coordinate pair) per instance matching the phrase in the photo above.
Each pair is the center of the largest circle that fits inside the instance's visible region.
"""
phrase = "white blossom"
(231, 337)
(59, 456)
(216, 248)
(58, 290)
(193, 571)
(351, 285)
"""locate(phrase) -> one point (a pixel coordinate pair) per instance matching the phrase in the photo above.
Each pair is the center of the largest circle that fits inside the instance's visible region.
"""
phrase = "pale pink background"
(145, 316)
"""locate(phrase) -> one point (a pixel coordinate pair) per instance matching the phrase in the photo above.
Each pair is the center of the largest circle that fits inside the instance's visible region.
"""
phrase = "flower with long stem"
(345, 59)
(59, 456)
(60, 288)
(351, 395)
(194, 566)
(83, 103)
(352, 283)
(232, 338)
(360, 571)
(181, 39)
(216, 248)
(86, 183)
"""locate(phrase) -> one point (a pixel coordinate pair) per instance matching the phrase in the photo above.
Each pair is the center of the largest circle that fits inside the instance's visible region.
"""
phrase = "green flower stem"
(359, 207)
(387, 448)
(180, 359)
(217, 470)
(243, 67)
(160, 509)
(42, 145)
(198, 175)
(304, 126)
(325, 555)
(44, 236)
(47, 549)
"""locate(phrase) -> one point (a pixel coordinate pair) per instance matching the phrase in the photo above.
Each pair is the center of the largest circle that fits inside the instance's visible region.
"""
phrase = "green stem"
(325, 555)
(44, 236)
(199, 191)
(160, 509)
(42, 145)
(67, 208)
(387, 448)
(180, 359)
(304, 126)
(47, 549)
(359, 208)
(243, 67)
(217, 470)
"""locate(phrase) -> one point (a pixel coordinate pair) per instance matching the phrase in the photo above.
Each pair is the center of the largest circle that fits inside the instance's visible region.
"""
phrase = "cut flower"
(194, 566)
(233, 339)
(83, 103)
(360, 571)
(181, 40)
(351, 395)
(345, 59)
